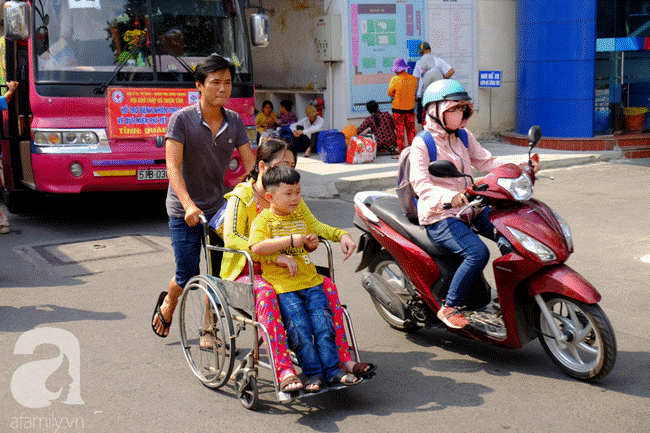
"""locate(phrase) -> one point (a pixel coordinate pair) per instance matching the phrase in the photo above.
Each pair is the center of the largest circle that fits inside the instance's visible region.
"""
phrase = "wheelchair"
(218, 310)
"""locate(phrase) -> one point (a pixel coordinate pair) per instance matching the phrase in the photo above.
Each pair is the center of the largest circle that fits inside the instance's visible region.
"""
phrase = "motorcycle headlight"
(544, 253)
(566, 230)
(520, 188)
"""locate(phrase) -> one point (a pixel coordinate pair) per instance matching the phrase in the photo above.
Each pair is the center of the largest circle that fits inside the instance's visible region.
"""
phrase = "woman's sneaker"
(452, 317)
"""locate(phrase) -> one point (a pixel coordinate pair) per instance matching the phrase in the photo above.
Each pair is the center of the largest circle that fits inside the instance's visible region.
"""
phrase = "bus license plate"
(152, 174)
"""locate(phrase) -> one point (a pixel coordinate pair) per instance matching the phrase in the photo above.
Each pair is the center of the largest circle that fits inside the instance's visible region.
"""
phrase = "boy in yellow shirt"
(282, 237)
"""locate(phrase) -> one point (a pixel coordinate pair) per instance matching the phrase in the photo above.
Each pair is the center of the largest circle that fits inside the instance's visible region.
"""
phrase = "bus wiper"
(101, 89)
(179, 59)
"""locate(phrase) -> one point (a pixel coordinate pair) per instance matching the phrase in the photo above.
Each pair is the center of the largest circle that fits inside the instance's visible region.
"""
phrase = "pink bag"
(362, 149)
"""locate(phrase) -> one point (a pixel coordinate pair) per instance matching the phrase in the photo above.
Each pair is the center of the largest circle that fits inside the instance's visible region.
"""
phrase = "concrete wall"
(497, 50)
(289, 59)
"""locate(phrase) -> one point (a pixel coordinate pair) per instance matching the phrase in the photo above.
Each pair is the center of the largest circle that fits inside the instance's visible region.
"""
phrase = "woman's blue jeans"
(457, 237)
(308, 321)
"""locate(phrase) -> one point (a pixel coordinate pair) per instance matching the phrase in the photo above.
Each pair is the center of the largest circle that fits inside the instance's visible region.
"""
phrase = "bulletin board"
(452, 34)
(381, 31)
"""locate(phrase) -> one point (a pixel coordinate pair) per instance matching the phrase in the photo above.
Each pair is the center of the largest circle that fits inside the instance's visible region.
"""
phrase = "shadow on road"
(23, 319)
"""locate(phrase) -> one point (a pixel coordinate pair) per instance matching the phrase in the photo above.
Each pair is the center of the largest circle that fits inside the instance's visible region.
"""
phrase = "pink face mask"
(453, 119)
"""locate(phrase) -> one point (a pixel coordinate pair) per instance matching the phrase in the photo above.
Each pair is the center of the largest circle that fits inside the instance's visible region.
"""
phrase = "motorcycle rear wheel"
(385, 267)
(590, 352)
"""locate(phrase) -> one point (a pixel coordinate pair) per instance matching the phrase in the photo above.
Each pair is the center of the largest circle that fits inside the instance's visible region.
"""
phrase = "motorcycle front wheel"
(385, 267)
(589, 353)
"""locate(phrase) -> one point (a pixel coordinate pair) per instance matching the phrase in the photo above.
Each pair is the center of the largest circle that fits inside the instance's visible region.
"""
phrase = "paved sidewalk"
(321, 180)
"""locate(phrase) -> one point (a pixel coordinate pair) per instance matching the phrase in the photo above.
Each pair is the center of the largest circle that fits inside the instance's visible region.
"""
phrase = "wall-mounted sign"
(489, 78)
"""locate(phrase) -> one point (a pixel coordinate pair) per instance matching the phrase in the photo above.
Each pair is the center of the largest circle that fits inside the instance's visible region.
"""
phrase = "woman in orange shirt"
(402, 89)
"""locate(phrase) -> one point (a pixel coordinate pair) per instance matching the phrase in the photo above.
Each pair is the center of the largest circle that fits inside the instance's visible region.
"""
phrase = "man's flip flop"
(359, 370)
(157, 312)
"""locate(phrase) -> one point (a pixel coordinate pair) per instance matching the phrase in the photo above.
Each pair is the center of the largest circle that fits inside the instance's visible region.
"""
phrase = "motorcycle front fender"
(563, 280)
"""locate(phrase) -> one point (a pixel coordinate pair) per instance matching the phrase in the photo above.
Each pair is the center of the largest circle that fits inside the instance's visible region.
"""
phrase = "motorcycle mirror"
(444, 168)
(534, 135)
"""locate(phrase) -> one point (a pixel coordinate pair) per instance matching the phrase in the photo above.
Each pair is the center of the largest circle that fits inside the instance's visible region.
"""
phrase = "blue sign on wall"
(489, 78)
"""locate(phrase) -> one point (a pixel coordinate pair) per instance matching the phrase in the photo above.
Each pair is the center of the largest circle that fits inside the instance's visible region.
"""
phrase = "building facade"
(570, 67)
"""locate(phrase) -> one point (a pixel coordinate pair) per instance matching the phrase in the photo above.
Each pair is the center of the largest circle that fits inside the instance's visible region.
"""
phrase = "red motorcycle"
(536, 294)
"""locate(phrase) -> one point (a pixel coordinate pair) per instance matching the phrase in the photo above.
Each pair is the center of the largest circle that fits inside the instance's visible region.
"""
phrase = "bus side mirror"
(16, 16)
(260, 29)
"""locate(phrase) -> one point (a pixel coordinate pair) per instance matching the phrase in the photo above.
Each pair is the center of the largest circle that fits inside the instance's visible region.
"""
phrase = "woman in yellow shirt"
(267, 118)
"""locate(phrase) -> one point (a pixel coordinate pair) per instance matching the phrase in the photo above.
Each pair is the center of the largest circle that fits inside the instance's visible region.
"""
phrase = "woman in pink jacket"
(447, 108)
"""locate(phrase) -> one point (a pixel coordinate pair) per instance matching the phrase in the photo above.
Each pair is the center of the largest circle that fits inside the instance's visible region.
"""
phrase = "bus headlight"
(62, 138)
(70, 141)
(47, 138)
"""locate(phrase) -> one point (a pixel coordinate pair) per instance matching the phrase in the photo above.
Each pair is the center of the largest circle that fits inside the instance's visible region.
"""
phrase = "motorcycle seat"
(389, 210)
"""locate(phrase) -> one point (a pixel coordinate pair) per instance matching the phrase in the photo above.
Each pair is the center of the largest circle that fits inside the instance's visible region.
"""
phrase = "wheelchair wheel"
(246, 389)
(207, 332)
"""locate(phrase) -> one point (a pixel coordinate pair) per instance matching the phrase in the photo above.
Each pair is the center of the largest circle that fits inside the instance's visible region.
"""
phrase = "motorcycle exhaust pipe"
(378, 290)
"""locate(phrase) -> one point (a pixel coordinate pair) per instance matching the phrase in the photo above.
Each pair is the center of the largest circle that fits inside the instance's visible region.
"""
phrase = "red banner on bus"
(144, 112)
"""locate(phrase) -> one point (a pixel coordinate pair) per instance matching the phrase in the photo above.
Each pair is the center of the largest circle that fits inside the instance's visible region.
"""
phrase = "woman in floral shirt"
(286, 117)
(382, 127)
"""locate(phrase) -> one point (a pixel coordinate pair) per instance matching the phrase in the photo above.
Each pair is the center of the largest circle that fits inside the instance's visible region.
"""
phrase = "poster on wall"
(381, 31)
(452, 32)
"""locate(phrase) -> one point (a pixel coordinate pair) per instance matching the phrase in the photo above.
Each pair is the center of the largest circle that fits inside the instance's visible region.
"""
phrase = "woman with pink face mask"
(447, 108)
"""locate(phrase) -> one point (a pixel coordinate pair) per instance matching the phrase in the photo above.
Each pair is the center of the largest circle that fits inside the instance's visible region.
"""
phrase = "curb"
(382, 181)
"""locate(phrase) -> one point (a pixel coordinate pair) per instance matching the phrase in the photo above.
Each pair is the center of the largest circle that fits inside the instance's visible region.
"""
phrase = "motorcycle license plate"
(152, 174)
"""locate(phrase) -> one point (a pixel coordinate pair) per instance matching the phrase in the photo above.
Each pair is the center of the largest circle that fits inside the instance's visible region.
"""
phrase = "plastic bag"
(363, 148)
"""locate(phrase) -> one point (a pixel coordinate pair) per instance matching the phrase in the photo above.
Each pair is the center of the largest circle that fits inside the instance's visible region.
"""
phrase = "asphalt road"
(88, 270)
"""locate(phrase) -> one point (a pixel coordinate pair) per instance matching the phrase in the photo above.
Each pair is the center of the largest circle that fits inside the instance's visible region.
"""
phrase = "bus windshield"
(145, 41)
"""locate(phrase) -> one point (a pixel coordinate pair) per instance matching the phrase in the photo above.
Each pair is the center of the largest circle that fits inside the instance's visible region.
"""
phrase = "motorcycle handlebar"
(468, 196)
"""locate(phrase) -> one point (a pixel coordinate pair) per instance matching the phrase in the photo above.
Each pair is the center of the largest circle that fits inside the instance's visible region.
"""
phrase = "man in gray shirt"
(427, 70)
(199, 142)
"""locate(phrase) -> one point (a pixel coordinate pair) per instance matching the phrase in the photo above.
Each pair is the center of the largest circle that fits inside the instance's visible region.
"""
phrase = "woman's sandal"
(314, 384)
(361, 370)
(343, 378)
(290, 379)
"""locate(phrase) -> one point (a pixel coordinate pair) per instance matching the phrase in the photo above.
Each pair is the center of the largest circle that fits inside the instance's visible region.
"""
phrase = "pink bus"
(98, 80)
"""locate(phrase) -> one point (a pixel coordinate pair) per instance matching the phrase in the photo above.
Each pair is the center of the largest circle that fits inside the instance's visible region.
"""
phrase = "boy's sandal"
(314, 384)
(361, 370)
(290, 379)
(347, 379)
